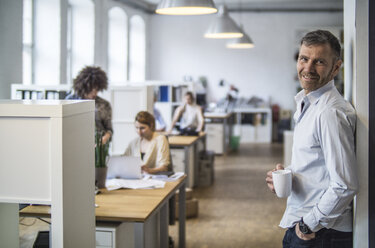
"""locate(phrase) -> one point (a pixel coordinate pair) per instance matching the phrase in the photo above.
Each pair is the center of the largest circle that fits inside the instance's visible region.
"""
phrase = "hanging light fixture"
(223, 27)
(241, 43)
(186, 7)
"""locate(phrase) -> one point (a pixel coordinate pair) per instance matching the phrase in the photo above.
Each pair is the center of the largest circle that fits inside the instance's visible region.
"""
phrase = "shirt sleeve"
(336, 135)
(107, 121)
(163, 155)
(200, 119)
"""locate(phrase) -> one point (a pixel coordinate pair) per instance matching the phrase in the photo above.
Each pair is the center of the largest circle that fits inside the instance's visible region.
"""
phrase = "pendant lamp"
(186, 7)
(241, 43)
(223, 27)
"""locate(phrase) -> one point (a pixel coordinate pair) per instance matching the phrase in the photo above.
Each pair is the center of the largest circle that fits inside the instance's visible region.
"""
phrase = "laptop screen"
(125, 167)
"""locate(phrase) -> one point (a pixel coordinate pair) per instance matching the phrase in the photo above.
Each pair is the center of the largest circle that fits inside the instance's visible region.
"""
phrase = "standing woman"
(86, 85)
(153, 148)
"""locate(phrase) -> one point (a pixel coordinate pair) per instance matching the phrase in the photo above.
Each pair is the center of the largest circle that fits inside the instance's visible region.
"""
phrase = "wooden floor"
(236, 211)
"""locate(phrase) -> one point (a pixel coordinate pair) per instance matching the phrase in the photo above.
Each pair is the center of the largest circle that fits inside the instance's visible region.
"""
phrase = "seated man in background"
(153, 148)
(190, 116)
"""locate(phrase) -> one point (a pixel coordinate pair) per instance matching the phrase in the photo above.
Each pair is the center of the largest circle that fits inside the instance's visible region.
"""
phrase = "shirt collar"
(313, 96)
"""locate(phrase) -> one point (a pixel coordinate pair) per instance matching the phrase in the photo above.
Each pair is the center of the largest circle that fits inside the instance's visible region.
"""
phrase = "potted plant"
(101, 158)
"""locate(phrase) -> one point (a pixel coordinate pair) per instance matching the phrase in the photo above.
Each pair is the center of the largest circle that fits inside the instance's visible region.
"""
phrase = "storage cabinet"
(114, 235)
(218, 127)
(254, 125)
(178, 159)
(185, 152)
(215, 137)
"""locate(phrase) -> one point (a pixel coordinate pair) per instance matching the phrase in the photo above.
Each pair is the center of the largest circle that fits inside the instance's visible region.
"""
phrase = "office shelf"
(254, 125)
(38, 92)
(169, 96)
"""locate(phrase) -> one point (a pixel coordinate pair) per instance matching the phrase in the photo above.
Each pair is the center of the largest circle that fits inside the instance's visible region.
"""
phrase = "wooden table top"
(213, 115)
(179, 140)
(131, 205)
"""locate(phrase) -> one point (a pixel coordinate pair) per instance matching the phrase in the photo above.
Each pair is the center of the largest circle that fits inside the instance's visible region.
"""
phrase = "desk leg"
(196, 164)
(9, 233)
(225, 134)
(149, 234)
(164, 225)
(139, 233)
(172, 210)
(187, 165)
(181, 217)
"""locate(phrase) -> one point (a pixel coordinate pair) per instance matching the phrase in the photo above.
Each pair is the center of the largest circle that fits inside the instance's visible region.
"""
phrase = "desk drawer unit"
(105, 236)
(178, 159)
(114, 235)
(215, 137)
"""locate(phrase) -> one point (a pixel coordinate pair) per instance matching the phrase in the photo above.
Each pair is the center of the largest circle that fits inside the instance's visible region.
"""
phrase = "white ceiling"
(268, 5)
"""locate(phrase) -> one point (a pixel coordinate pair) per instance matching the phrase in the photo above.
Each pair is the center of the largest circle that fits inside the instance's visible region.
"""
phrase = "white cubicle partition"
(47, 157)
(126, 102)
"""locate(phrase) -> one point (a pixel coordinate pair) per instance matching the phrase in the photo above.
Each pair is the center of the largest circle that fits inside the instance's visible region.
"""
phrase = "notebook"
(126, 167)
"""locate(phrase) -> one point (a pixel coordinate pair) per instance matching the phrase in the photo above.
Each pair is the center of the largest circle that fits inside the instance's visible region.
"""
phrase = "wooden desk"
(219, 131)
(137, 207)
(178, 140)
(185, 155)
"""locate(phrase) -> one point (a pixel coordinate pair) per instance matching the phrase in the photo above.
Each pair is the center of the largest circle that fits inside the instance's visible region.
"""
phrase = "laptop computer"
(125, 167)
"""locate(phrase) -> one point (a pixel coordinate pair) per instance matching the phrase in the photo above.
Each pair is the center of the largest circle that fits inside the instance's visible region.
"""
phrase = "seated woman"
(152, 147)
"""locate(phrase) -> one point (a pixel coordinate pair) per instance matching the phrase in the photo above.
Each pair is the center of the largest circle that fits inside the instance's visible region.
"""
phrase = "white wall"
(178, 49)
(11, 45)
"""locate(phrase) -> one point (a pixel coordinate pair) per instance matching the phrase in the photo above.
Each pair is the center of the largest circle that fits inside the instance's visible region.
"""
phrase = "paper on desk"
(112, 184)
(165, 178)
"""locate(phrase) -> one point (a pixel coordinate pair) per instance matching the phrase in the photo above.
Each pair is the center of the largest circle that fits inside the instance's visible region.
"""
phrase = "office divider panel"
(47, 157)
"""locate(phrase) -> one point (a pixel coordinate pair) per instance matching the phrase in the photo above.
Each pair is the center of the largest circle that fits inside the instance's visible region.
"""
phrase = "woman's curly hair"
(88, 79)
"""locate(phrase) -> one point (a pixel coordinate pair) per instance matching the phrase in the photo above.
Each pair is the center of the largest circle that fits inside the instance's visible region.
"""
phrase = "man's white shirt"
(323, 161)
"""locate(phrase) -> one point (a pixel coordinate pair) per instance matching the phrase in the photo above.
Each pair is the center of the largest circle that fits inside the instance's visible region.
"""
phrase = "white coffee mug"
(282, 182)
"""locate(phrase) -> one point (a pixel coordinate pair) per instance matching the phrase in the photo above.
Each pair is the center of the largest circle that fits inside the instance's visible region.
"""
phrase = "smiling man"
(319, 210)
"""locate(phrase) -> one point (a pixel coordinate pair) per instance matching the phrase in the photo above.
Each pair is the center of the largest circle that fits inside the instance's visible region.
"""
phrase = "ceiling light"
(241, 43)
(223, 27)
(186, 7)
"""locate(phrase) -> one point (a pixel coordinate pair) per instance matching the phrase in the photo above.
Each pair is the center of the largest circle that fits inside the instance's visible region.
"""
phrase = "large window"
(137, 49)
(27, 41)
(44, 41)
(46, 46)
(81, 25)
(117, 46)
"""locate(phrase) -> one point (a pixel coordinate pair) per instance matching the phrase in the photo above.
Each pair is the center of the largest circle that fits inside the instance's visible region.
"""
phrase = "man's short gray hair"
(320, 37)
